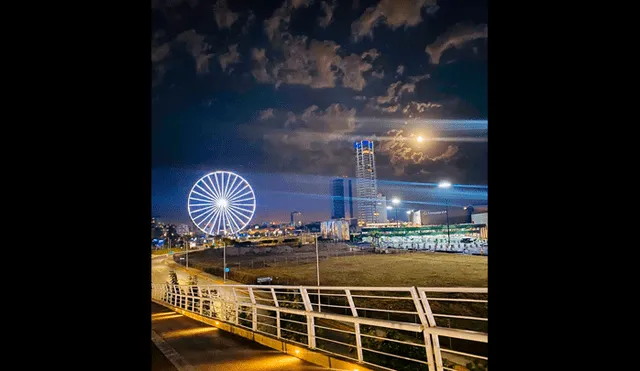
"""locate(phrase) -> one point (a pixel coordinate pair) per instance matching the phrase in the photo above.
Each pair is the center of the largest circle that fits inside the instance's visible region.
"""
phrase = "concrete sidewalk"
(198, 346)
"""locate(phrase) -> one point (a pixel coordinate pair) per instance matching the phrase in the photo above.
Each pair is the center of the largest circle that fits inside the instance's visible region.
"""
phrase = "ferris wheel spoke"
(236, 197)
(242, 204)
(241, 213)
(218, 222)
(223, 189)
(242, 200)
(232, 220)
(201, 204)
(236, 216)
(212, 221)
(201, 199)
(234, 190)
(230, 185)
(204, 208)
(208, 219)
(205, 215)
(212, 187)
(215, 176)
(209, 195)
(240, 208)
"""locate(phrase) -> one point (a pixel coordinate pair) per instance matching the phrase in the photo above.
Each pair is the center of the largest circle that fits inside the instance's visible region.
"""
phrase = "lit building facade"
(337, 198)
(381, 208)
(366, 185)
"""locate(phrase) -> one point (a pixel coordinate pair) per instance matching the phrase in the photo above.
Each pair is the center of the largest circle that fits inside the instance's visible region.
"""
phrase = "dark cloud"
(314, 141)
(393, 13)
(229, 58)
(225, 18)
(455, 37)
(328, 9)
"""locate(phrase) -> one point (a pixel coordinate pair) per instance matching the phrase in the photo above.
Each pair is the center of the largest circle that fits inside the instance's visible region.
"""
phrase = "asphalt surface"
(207, 348)
(159, 362)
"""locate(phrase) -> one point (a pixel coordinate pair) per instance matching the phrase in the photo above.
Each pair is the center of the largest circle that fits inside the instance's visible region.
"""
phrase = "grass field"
(164, 251)
(415, 269)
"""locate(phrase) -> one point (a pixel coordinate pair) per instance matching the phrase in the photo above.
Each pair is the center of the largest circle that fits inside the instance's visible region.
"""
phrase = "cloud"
(197, 47)
(314, 141)
(400, 70)
(266, 114)
(259, 70)
(407, 159)
(223, 15)
(352, 68)
(393, 13)
(250, 19)
(229, 58)
(455, 37)
(379, 75)
(328, 9)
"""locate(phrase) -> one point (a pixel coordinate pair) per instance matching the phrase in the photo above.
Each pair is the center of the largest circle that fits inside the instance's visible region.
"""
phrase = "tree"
(173, 281)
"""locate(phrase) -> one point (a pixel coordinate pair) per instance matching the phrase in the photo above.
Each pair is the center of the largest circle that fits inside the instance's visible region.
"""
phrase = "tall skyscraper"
(366, 186)
(295, 221)
(337, 198)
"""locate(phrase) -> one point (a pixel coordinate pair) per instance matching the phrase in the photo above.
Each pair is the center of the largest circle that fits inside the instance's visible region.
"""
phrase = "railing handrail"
(262, 300)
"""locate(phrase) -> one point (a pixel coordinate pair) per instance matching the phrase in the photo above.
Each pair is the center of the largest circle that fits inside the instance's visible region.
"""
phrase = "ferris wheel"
(221, 203)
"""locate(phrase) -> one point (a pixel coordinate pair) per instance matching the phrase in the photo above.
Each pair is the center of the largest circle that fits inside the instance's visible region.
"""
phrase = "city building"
(482, 218)
(350, 199)
(366, 186)
(337, 198)
(182, 229)
(296, 218)
(381, 208)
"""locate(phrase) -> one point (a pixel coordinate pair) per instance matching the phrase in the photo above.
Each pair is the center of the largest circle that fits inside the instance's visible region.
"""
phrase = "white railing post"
(254, 310)
(425, 325)
(431, 320)
(311, 328)
(235, 301)
(201, 301)
(356, 326)
(275, 302)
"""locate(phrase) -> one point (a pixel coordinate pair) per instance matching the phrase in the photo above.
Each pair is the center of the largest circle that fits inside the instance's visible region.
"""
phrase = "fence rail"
(394, 328)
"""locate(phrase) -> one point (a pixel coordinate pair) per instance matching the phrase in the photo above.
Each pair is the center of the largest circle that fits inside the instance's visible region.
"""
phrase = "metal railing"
(393, 328)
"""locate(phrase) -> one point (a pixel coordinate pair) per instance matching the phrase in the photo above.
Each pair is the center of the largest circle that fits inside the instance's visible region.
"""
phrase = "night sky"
(277, 91)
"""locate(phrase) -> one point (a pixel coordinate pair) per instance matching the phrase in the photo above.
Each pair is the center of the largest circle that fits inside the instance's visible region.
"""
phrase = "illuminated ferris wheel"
(221, 203)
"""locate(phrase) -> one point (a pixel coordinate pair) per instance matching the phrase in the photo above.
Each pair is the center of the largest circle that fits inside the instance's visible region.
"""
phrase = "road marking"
(176, 359)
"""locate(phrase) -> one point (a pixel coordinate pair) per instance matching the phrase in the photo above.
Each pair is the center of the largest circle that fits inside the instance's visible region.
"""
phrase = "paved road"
(160, 272)
(207, 348)
(159, 362)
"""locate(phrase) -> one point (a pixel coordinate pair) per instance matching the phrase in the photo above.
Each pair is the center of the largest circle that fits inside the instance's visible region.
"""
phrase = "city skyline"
(278, 91)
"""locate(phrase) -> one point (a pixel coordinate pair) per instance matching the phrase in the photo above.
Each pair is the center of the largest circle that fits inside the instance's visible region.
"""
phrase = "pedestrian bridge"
(348, 328)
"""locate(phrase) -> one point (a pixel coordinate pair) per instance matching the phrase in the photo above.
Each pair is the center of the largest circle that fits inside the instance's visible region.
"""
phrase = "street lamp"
(396, 201)
(446, 185)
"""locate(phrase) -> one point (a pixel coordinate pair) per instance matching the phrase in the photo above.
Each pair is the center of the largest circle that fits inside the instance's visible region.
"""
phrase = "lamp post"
(446, 185)
(396, 201)
(318, 272)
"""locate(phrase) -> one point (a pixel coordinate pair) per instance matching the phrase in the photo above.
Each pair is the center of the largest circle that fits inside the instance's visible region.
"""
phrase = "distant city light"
(395, 200)
(389, 207)
(444, 184)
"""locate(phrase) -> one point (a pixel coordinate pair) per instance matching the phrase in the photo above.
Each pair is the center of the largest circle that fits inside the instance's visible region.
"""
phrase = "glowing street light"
(446, 184)
(396, 201)
(420, 139)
